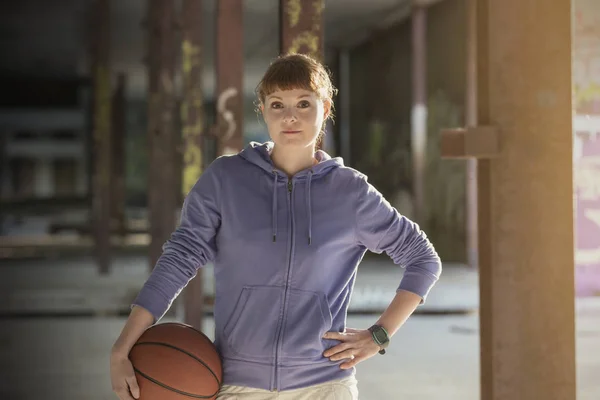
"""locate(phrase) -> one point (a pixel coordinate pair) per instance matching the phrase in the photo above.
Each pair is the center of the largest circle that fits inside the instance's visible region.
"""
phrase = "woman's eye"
(304, 104)
(276, 105)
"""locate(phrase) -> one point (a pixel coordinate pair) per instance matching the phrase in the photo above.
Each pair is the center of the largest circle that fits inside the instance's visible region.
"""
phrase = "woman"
(285, 226)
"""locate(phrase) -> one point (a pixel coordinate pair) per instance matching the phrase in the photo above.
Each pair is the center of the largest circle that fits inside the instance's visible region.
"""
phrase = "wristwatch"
(380, 336)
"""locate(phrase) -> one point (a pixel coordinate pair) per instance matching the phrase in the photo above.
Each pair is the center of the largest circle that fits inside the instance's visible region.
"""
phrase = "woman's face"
(294, 117)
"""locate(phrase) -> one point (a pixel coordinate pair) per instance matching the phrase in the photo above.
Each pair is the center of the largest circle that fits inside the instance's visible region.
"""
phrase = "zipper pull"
(290, 186)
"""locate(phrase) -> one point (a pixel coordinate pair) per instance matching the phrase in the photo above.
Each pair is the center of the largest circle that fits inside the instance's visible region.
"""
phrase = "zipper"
(290, 186)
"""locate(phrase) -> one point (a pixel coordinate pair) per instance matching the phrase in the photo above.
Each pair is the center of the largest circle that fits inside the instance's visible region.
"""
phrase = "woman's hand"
(357, 345)
(122, 377)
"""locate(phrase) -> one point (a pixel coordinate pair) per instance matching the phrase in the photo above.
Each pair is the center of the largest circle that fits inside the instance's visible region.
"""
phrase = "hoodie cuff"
(152, 301)
(417, 283)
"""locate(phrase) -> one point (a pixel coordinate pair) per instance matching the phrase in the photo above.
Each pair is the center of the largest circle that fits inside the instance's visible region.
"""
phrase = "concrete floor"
(432, 357)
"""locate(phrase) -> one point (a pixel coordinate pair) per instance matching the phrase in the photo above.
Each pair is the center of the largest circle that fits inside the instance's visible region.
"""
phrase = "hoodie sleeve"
(191, 246)
(381, 228)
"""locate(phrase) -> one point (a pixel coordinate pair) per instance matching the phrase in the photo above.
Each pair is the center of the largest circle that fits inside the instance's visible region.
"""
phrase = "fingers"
(335, 335)
(352, 362)
(123, 392)
(336, 349)
(128, 389)
(133, 386)
(349, 355)
(343, 354)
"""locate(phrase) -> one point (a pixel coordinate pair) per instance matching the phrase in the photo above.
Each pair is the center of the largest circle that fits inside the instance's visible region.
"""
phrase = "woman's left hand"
(357, 345)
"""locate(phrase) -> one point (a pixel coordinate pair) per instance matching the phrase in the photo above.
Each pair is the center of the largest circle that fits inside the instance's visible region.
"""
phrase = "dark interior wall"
(381, 102)
(380, 108)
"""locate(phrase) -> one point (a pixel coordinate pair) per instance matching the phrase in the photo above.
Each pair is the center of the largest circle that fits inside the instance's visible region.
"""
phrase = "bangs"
(288, 75)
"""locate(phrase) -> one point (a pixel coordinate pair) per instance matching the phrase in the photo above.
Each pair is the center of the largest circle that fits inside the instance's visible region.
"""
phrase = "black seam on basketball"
(181, 392)
(186, 353)
(206, 338)
(209, 341)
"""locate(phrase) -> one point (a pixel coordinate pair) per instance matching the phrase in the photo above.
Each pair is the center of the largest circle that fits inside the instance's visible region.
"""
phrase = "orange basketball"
(173, 361)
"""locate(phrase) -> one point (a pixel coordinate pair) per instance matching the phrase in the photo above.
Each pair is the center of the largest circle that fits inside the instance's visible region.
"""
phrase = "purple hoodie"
(285, 254)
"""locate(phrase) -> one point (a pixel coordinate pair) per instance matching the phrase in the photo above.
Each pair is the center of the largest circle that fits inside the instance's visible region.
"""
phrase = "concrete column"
(419, 109)
(471, 120)
(526, 257)
(101, 139)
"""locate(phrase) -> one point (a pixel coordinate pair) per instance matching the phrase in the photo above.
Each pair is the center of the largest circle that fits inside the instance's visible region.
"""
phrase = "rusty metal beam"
(162, 193)
(192, 119)
(230, 72)
(301, 29)
(118, 156)
(101, 136)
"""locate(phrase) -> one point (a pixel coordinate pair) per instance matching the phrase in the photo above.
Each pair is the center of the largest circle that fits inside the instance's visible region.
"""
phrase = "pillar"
(471, 120)
(301, 27)
(419, 109)
(101, 132)
(230, 74)
(192, 118)
(162, 193)
(118, 155)
(523, 143)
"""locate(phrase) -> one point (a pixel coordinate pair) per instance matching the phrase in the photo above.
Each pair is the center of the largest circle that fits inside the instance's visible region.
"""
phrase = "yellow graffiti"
(192, 154)
(192, 161)
(589, 93)
(190, 56)
(191, 116)
(308, 39)
(318, 6)
(293, 10)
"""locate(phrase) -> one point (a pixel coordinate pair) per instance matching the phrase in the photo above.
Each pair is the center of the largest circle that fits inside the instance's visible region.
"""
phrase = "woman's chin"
(296, 140)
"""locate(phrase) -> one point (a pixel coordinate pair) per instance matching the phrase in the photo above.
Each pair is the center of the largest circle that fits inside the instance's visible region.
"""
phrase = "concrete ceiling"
(47, 37)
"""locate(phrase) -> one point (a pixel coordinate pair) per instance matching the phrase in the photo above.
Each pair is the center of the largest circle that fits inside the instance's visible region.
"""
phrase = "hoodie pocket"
(307, 319)
(251, 329)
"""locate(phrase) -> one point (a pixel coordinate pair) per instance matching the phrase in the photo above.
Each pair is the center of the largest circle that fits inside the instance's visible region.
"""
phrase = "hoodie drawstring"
(274, 206)
(308, 206)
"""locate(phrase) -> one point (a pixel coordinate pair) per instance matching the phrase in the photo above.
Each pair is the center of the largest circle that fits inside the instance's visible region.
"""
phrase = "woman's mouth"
(290, 132)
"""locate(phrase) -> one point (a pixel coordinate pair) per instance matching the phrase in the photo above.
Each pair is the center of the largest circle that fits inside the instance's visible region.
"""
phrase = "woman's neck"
(293, 160)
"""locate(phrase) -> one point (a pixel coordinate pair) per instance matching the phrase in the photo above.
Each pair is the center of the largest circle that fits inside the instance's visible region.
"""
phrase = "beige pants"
(345, 389)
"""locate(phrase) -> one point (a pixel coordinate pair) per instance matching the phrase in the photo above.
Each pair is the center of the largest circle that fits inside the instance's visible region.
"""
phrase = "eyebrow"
(277, 97)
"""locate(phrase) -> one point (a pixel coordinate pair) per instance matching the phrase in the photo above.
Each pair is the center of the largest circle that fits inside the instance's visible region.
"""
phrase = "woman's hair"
(298, 71)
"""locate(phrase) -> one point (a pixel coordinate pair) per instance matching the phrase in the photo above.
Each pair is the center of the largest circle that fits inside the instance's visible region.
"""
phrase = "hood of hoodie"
(259, 154)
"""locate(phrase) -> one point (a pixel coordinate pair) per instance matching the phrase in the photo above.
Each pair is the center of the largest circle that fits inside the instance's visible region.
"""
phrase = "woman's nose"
(289, 116)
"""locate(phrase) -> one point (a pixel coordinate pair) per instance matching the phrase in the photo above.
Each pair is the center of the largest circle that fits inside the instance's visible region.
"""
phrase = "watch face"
(380, 335)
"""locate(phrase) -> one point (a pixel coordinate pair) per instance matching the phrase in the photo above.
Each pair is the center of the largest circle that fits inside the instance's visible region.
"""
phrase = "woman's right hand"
(124, 383)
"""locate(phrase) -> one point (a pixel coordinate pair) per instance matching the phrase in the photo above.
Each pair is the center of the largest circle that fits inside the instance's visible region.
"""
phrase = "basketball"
(174, 361)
